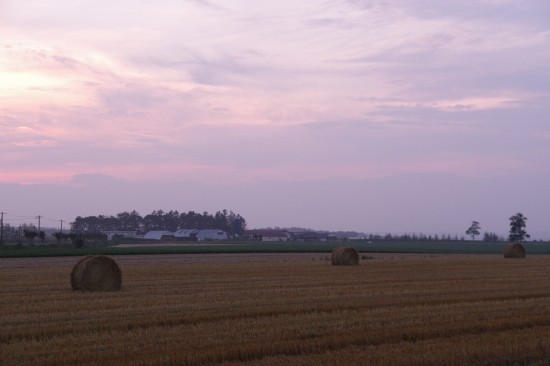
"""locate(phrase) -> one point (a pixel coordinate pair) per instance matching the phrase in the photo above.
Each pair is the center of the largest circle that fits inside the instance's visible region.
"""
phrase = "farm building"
(120, 233)
(211, 234)
(268, 235)
(186, 234)
(309, 236)
(159, 235)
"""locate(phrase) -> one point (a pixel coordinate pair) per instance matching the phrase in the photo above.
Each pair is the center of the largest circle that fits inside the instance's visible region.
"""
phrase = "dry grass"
(430, 311)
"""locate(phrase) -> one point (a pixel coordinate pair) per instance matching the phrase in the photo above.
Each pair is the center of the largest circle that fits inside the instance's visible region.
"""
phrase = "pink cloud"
(35, 143)
(287, 92)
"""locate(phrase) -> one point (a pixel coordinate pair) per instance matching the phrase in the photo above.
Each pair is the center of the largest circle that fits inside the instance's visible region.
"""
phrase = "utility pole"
(1, 228)
(61, 221)
(39, 217)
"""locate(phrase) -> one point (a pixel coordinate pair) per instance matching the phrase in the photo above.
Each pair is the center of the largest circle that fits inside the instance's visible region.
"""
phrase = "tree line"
(172, 220)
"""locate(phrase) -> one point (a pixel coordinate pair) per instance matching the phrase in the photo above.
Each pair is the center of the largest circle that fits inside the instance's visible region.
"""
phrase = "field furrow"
(451, 310)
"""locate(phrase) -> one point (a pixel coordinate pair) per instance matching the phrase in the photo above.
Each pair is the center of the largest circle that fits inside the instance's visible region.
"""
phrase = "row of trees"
(413, 237)
(27, 231)
(487, 237)
(517, 229)
(31, 233)
(230, 222)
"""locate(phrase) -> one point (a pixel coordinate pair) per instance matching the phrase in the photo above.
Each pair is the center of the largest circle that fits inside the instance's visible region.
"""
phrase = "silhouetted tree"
(129, 221)
(473, 230)
(517, 228)
(30, 234)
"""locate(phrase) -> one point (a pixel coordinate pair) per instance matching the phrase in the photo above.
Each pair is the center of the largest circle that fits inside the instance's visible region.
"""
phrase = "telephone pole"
(61, 221)
(39, 217)
(1, 228)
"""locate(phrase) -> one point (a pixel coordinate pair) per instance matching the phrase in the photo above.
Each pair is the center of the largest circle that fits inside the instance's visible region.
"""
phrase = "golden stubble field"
(280, 310)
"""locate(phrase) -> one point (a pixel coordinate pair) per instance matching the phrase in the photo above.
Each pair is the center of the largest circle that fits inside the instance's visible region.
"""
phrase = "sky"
(377, 116)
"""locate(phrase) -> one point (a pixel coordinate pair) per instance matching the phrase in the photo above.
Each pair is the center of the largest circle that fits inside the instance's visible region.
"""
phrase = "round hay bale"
(75, 273)
(344, 256)
(336, 255)
(515, 250)
(96, 273)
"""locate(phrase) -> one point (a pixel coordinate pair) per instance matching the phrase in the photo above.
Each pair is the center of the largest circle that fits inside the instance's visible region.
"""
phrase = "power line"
(5, 216)
(45, 218)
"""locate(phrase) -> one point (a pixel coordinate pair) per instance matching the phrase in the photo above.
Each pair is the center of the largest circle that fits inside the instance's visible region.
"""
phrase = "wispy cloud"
(171, 91)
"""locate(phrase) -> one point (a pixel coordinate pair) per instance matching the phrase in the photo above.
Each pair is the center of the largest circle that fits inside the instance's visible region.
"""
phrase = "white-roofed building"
(186, 234)
(211, 234)
(159, 235)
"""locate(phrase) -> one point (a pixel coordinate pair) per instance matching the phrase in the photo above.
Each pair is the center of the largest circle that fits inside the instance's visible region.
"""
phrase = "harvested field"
(277, 310)
(171, 244)
(164, 259)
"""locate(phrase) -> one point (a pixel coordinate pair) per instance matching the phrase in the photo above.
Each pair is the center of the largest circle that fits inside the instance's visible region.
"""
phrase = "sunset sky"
(377, 116)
